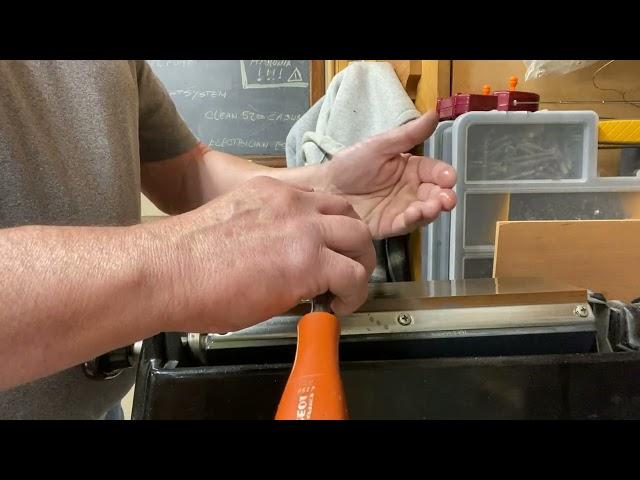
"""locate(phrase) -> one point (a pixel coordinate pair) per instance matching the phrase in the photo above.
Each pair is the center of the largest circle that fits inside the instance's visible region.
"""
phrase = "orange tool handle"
(314, 389)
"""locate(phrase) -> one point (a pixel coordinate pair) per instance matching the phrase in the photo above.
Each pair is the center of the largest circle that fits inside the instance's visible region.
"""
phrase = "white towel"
(364, 99)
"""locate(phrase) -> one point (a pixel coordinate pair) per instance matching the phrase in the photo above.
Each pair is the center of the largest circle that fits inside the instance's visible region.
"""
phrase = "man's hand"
(258, 250)
(392, 191)
(69, 294)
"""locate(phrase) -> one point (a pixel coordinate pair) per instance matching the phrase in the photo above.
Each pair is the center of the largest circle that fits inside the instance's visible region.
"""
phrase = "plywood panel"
(600, 255)
(435, 83)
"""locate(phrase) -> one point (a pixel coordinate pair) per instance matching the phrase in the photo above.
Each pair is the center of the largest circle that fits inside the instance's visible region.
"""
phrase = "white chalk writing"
(222, 143)
(192, 94)
(271, 63)
(237, 142)
(220, 115)
(171, 63)
(270, 74)
(250, 116)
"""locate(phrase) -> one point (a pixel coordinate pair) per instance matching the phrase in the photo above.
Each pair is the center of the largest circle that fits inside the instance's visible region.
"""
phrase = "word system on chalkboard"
(244, 107)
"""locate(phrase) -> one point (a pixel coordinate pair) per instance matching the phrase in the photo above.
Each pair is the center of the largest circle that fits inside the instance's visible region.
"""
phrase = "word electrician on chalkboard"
(82, 276)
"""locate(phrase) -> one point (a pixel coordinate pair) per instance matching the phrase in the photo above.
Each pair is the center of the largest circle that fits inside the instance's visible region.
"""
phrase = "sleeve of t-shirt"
(162, 132)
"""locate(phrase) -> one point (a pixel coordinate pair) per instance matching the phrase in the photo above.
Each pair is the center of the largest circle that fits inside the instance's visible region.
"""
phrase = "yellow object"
(620, 132)
(486, 89)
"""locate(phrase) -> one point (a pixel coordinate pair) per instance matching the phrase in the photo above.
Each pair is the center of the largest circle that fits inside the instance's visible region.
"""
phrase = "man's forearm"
(181, 184)
(68, 294)
(217, 173)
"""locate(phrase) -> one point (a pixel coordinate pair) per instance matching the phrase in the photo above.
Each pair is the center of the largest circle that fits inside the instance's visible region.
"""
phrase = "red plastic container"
(507, 97)
(452, 107)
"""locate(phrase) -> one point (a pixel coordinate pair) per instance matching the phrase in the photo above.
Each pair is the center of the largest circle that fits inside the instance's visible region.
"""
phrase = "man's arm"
(69, 294)
(185, 182)
(394, 192)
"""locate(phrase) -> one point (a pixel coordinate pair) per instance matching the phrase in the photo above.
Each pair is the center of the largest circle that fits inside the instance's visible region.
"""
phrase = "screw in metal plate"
(581, 311)
(404, 319)
(208, 340)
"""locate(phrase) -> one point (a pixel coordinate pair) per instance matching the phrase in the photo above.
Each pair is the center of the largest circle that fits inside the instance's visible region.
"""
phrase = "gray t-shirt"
(72, 136)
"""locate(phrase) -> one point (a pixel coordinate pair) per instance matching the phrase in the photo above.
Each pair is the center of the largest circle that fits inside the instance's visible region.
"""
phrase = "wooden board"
(600, 255)
(435, 83)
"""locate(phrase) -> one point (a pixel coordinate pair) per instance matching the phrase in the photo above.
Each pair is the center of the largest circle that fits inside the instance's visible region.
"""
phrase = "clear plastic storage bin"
(435, 236)
(519, 166)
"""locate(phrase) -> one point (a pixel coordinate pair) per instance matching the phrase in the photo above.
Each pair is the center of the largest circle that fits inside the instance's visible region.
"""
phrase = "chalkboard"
(244, 107)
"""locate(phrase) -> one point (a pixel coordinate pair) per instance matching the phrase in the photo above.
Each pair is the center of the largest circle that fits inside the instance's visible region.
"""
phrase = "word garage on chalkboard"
(244, 107)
